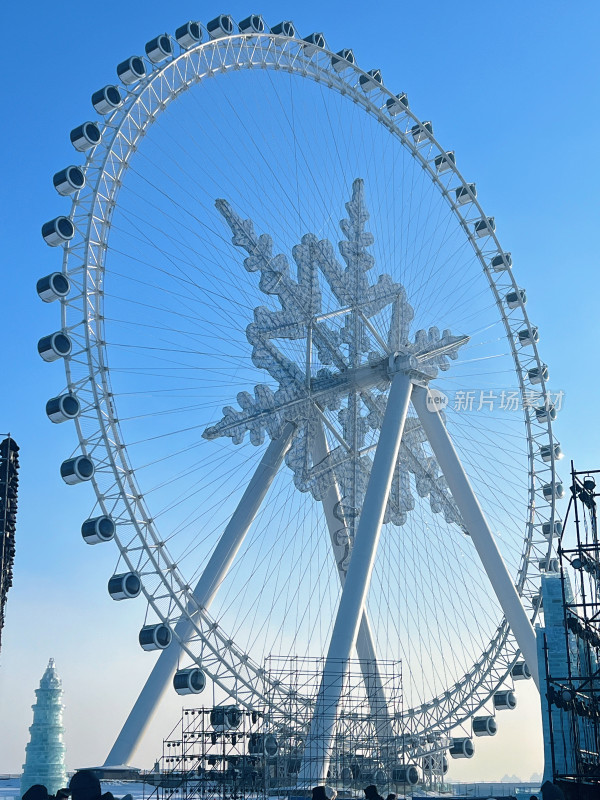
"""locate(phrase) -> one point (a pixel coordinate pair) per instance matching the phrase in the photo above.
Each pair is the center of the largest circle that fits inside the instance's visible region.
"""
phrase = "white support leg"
(317, 752)
(365, 646)
(478, 528)
(204, 593)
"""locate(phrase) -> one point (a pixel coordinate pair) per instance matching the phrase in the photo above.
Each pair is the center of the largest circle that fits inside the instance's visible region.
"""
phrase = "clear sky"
(512, 87)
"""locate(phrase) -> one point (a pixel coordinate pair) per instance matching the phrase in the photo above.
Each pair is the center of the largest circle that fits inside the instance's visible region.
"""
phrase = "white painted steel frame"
(87, 367)
(212, 577)
(319, 743)
(365, 645)
(477, 526)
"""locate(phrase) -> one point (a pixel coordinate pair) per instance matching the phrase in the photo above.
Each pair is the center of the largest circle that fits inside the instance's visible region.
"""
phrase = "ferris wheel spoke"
(477, 525)
(213, 575)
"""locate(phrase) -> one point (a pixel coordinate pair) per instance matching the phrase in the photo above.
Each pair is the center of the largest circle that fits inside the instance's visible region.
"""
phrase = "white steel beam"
(365, 646)
(478, 528)
(317, 751)
(213, 575)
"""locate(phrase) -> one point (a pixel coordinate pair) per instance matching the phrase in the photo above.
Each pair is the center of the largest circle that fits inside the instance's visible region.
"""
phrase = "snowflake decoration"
(347, 354)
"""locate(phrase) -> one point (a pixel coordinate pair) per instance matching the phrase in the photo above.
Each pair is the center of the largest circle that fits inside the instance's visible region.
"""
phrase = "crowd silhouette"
(84, 785)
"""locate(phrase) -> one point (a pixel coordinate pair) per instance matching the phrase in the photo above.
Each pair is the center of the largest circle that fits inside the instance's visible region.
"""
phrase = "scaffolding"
(9, 481)
(214, 754)
(572, 648)
(366, 742)
(227, 752)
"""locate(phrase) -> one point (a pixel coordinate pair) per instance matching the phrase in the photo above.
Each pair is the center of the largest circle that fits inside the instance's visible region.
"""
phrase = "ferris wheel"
(306, 390)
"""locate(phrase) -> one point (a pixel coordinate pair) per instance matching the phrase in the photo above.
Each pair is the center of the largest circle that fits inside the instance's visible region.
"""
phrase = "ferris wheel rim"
(300, 65)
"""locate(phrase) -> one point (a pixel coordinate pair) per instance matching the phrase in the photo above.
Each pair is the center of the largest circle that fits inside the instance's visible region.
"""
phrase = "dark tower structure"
(9, 481)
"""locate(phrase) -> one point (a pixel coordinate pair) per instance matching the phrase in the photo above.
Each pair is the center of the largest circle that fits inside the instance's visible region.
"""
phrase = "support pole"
(478, 528)
(204, 593)
(317, 752)
(365, 645)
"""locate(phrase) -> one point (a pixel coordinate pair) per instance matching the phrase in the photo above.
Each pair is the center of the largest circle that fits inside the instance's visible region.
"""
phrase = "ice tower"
(45, 753)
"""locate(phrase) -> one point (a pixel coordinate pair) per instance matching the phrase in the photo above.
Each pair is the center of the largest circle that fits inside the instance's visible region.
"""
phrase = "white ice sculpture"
(45, 753)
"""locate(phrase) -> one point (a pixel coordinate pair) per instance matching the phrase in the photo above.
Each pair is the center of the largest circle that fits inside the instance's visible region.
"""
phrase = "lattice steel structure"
(228, 752)
(9, 482)
(213, 753)
(571, 647)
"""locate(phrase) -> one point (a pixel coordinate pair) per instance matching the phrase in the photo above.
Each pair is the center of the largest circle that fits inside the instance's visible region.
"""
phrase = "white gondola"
(342, 60)
(261, 744)
(501, 262)
(396, 105)
(545, 413)
(485, 227)
(125, 586)
(220, 26)
(252, 24)
(462, 747)
(552, 529)
(155, 637)
(283, 30)
(371, 81)
(422, 132)
(553, 490)
(131, 70)
(85, 136)
(505, 700)
(485, 726)
(56, 345)
(516, 298)
(189, 681)
(537, 374)
(407, 774)
(62, 408)
(466, 194)
(98, 530)
(69, 180)
(528, 336)
(107, 99)
(159, 48)
(520, 671)
(188, 35)
(225, 718)
(76, 470)
(547, 451)
(53, 287)
(445, 161)
(312, 43)
(58, 231)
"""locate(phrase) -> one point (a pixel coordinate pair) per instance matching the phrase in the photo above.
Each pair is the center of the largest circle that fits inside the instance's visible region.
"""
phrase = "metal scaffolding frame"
(228, 752)
(573, 693)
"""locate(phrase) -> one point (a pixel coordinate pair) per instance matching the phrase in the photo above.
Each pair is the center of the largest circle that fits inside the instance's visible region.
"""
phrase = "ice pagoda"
(45, 753)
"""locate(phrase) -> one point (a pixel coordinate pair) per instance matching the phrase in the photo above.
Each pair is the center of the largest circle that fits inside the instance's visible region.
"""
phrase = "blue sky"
(511, 87)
